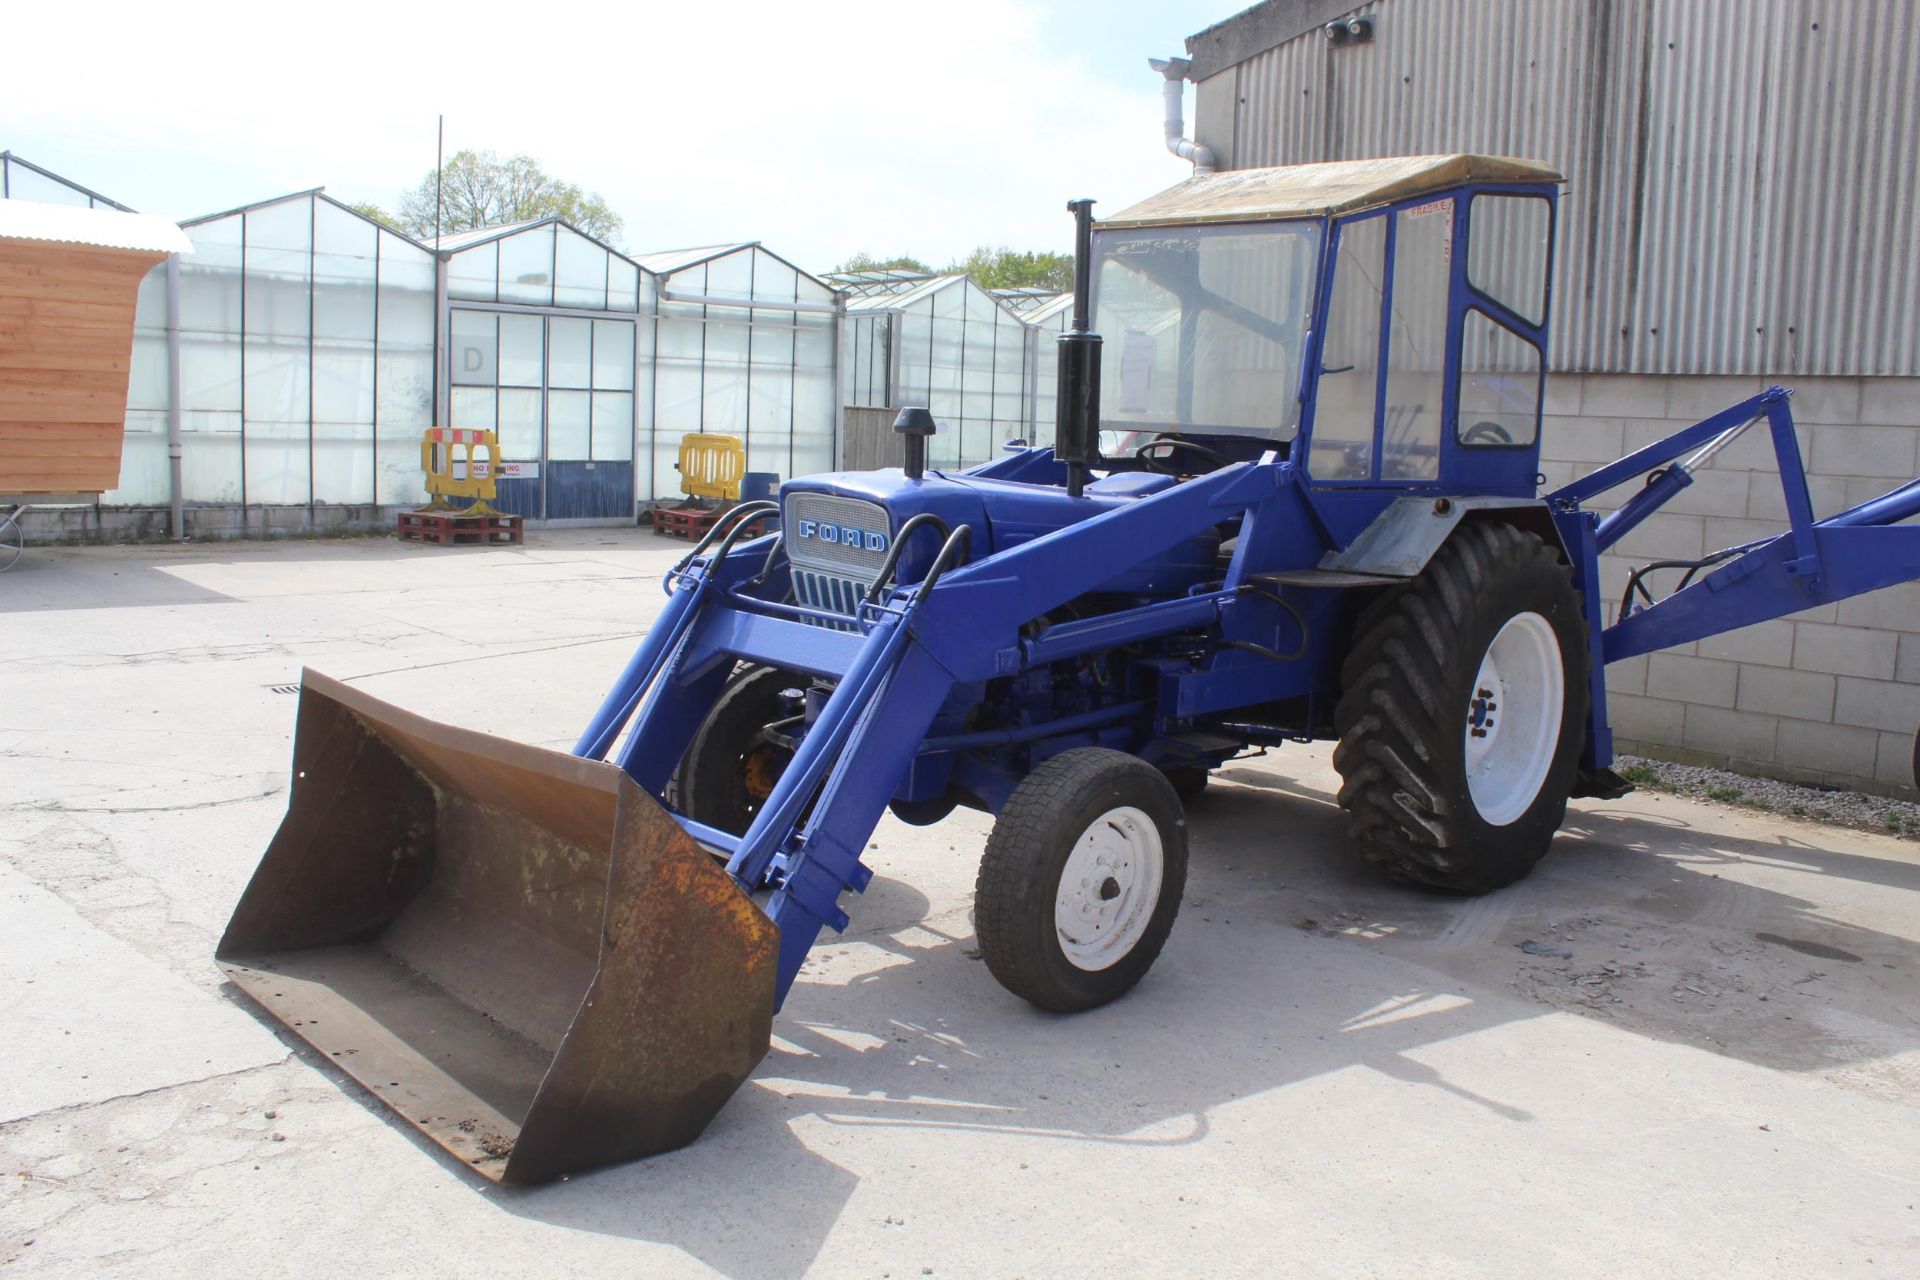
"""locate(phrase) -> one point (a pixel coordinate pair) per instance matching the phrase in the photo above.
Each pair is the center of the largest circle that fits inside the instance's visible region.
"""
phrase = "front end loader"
(1293, 495)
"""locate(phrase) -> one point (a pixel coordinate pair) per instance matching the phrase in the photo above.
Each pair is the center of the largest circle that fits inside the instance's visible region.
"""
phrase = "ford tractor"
(1316, 517)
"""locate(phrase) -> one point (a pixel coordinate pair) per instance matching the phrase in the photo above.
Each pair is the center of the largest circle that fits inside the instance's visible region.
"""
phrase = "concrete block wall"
(1829, 696)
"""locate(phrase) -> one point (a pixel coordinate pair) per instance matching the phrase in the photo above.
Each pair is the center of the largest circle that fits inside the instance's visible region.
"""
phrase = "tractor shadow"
(1291, 960)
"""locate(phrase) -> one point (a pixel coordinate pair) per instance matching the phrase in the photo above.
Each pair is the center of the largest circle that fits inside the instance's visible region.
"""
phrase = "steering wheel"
(1486, 433)
(1147, 452)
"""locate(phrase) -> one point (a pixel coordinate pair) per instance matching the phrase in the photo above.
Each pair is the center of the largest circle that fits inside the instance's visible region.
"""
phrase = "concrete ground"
(1325, 1074)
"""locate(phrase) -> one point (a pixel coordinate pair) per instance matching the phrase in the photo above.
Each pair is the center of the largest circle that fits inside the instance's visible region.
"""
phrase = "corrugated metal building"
(1741, 210)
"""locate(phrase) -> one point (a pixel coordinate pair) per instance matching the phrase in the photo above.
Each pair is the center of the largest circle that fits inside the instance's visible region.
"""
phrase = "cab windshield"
(1202, 326)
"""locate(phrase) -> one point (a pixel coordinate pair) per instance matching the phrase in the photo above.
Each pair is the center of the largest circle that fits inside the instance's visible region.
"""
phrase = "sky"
(820, 129)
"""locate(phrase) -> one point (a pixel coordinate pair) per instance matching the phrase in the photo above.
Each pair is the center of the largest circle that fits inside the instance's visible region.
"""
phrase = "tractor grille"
(836, 547)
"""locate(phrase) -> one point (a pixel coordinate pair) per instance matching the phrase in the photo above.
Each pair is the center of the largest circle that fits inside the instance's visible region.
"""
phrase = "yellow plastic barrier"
(711, 466)
(460, 462)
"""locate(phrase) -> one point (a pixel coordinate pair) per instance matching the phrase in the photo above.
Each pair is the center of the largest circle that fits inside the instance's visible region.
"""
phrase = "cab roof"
(1316, 190)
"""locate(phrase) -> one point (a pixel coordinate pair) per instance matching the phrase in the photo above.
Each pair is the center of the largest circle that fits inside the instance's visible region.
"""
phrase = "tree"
(368, 209)
(998, 267)
(867, 262)
(479, 189)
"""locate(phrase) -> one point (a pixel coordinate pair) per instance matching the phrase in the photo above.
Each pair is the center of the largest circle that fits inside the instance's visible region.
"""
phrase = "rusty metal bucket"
(517, 950)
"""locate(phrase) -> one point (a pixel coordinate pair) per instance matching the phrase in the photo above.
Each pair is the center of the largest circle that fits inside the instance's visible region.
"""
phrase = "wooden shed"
(69, 278)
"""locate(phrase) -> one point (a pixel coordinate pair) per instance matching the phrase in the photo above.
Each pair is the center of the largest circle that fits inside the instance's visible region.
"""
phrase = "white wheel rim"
(1109, 889)
(1513, 718)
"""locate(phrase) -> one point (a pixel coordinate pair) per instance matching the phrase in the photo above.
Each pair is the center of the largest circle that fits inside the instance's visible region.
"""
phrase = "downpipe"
(1199, 154)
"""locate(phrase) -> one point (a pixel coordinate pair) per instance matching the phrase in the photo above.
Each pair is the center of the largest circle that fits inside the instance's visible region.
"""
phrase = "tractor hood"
(1002, 513)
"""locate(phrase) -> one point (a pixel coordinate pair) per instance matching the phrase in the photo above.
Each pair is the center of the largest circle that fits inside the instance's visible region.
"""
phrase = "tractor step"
(1324, 578)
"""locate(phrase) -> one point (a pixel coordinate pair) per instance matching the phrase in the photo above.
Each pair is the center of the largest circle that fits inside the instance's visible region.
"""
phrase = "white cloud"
(819, 128)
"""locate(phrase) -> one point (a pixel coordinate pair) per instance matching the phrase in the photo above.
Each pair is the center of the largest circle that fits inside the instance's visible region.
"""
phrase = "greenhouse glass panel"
(342, 388)
(773, 280)
(522, 351)
(210, 281)
(210, 462)
(612, 426)
(731, 276)
(613, 355)
(519, 424)
(1010, 381)
(526, 267)
(569, 352)
(580, 271)
(26, 184)
(723, 391)
(623, 285)
(473, 274)
(474, 355)
(813, 394)
(770, 394)
(472, 408)
(569, 426)
(643, 342)
(677, 395)
(210, 361)
(277, 384)
(403, 400)
(345, 259)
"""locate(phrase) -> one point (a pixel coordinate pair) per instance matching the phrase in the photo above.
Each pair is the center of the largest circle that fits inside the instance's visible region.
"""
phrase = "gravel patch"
(1855, 809)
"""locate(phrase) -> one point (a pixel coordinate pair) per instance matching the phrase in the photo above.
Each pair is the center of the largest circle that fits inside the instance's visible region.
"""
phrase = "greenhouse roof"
(884, 280)
(9, 158)
(1025, 301)
(455, 240)
(667, 261)
(1317, 190)
(315, 193)
(912, 292)
(1049, 309)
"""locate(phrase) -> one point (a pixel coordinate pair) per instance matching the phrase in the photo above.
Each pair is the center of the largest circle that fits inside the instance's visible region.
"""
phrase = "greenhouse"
(1045, 324)
(746, 347)
(550, 345)
(945, 343)
(314, 347)
(305, 365)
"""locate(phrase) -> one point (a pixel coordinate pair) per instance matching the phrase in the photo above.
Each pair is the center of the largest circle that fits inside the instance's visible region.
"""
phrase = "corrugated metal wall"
(1742, 194)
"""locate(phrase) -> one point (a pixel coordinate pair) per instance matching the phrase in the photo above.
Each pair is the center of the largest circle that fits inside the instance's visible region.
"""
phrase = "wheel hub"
(1513, 718)
(1109, 888)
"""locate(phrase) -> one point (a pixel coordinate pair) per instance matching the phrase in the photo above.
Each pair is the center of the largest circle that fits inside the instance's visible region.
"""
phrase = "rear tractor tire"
(732, 765)
(1464, 707)
(1081, 879)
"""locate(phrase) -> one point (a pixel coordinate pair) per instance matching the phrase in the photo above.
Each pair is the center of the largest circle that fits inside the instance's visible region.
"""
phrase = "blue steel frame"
(924, 647)
(1493, 470)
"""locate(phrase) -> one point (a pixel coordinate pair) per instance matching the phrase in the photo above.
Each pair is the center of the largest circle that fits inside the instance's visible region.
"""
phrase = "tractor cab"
(1380, 323)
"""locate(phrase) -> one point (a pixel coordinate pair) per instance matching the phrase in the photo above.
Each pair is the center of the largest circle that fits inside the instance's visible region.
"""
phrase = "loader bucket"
(517, 950)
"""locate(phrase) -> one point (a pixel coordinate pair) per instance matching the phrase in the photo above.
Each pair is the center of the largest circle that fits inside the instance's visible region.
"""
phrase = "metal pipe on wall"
(176, 445)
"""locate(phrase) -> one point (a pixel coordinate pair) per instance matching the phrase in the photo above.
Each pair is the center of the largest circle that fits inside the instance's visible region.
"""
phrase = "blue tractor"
(1292, 496)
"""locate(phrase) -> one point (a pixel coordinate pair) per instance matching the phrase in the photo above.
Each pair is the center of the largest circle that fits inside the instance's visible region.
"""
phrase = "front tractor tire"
(1081, 879)
(1462, 713)
(732, 765)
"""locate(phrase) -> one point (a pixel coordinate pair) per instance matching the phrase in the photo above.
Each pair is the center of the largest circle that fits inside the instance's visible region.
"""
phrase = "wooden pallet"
(691, 523)
(694, 523)
(450, 529)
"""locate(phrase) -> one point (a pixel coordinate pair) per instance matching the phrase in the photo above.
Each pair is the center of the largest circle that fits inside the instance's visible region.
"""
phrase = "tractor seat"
(1130, 484)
